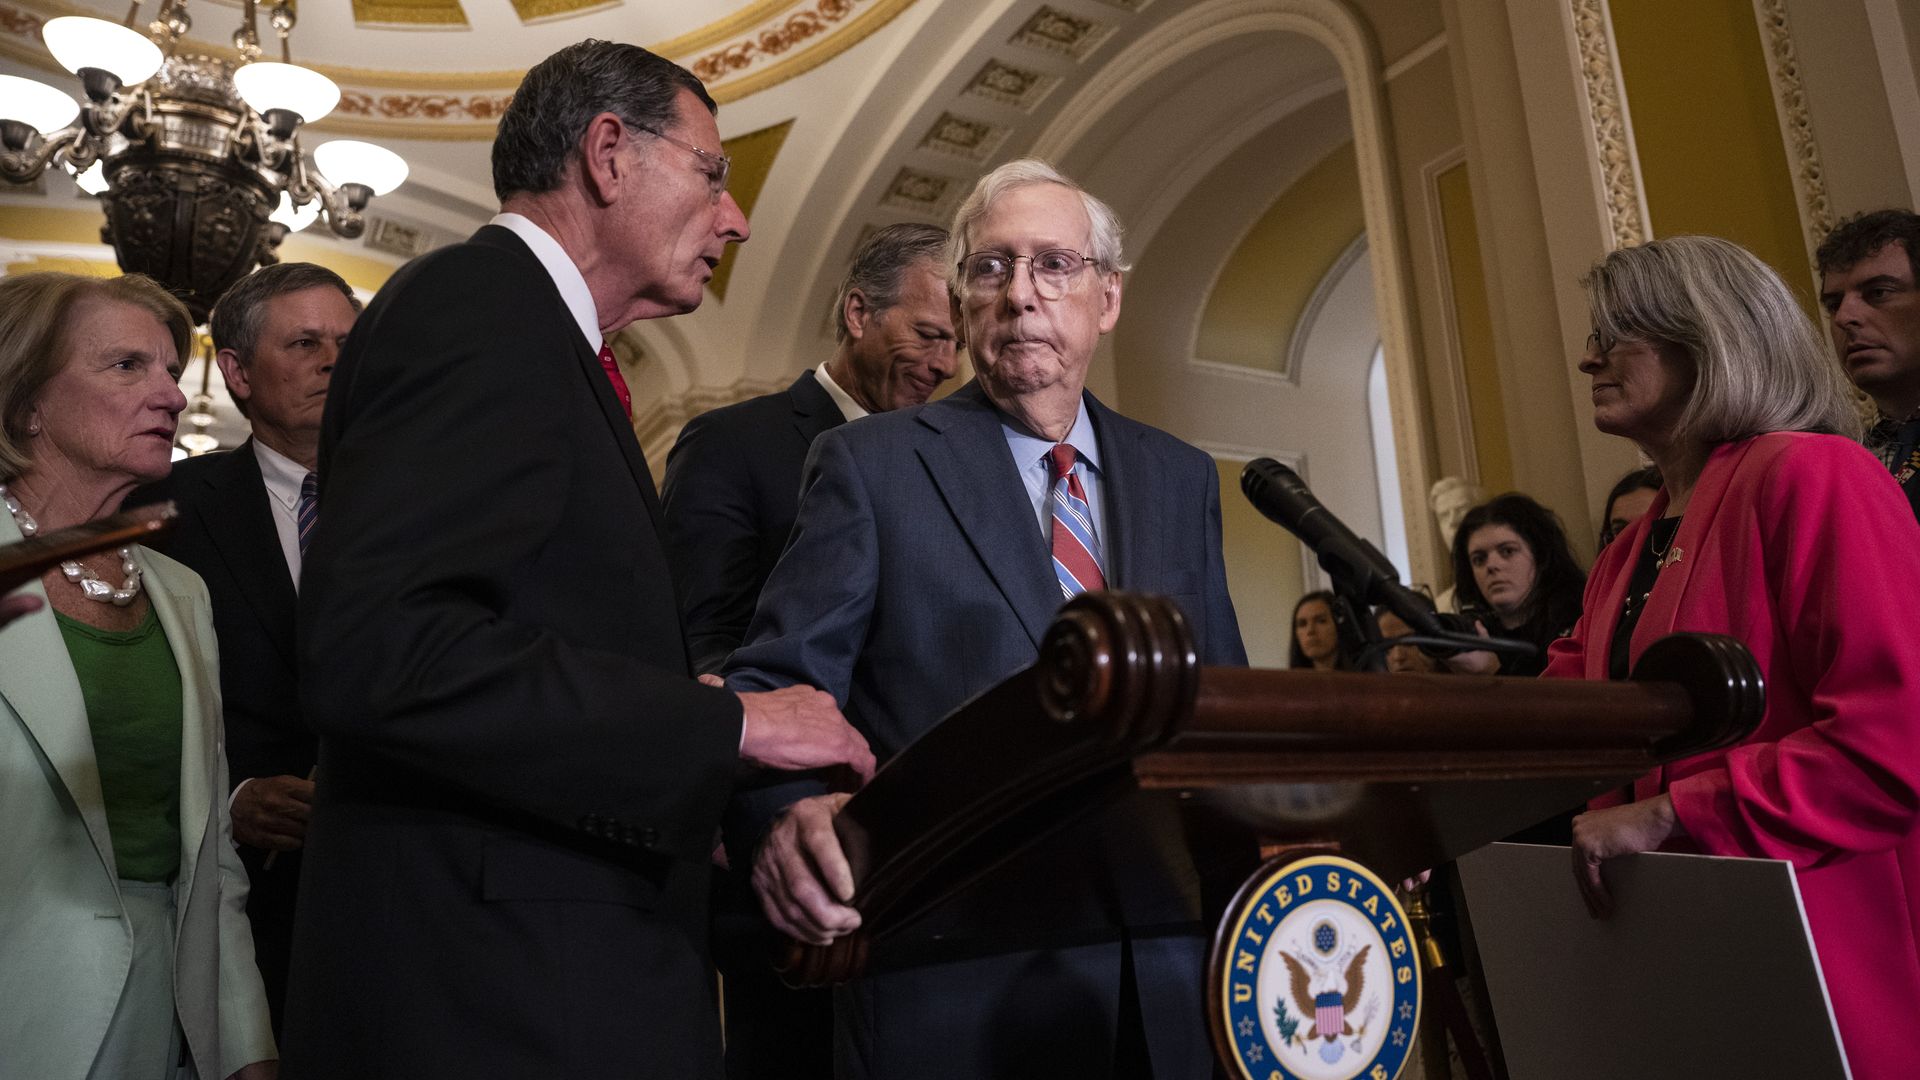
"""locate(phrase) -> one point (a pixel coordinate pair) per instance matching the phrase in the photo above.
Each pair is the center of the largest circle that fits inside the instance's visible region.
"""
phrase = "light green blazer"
(65, 942)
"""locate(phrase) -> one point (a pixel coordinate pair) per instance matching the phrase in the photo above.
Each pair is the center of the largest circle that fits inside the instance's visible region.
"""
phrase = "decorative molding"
(1335, 25)
(659, 423)
(531, 11)
(964, 138)
(923, 193)
(771, 41)
(1626, 200)
(409, 14)
(391, 237)
(1417, 56)
(481, 108)
(1058, 32)
(1005, 84)
(1312, 577)
(1796, 122)
(1450, 380)
(1309, 315)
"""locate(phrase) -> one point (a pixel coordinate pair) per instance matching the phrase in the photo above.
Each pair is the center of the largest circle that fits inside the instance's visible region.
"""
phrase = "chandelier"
(197, 160)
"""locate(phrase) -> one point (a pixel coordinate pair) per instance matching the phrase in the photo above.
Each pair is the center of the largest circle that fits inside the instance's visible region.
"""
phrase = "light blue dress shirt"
(1031, 456)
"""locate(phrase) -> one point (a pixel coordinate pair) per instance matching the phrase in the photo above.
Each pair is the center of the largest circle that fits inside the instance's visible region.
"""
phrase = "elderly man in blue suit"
(933, 548)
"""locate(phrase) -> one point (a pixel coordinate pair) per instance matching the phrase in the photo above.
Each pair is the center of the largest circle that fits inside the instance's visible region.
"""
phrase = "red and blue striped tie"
(1074, 560)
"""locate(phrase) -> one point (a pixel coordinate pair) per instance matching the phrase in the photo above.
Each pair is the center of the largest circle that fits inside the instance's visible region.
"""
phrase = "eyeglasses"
(1051, 270)
(717, 165)
(1598, 343)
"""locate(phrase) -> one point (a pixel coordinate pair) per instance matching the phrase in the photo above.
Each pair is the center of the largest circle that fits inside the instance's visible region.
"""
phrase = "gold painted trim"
(1607, 113)
(732, 26)
(858, 29)
(374, 13)
(1796, 122)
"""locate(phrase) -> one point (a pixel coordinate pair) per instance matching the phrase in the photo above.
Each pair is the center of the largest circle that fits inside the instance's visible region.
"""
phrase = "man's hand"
(802, 876)
(1618, 830)
(1478, 662)
(16, 605)
(799, 727)
(259, 1070)
(271, 812)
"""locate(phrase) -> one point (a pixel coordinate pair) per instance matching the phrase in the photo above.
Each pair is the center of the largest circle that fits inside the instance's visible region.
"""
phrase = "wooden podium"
(1398, 773)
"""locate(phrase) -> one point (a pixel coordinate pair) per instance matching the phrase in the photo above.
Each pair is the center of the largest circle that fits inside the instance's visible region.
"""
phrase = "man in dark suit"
(731, 493)
(520, 780)
(276, 335)
(933, 548)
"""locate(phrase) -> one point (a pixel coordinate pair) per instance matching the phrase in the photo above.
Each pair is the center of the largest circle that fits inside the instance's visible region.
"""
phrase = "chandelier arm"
(25, 163)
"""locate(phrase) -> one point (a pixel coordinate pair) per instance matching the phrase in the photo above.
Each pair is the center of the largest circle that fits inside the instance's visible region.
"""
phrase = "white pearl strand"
(90, 584)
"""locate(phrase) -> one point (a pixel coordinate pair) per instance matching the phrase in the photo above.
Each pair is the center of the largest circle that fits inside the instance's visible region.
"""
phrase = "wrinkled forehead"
(1034, 216)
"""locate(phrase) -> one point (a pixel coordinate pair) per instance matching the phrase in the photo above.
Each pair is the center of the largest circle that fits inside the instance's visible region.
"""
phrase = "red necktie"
(1074, 561)
(618, 380)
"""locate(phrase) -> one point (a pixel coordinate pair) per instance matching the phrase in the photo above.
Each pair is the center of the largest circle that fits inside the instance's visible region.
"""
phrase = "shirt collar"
(1029, 448)
(559, 266)
(281, 473)
(849, 408)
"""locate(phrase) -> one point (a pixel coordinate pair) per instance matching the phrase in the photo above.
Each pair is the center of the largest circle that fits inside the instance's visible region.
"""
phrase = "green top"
(132, 690)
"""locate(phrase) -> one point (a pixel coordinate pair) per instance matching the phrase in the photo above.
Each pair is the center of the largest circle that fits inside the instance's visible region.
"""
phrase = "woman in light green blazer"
(124, 948)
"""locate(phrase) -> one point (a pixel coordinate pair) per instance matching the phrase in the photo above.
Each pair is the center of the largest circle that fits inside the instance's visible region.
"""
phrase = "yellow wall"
(1473, 329)
(1263, 572)
(1266, 283)
(1705, 128)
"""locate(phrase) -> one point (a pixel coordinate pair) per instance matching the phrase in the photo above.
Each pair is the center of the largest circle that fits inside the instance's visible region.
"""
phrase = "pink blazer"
(1802, 547)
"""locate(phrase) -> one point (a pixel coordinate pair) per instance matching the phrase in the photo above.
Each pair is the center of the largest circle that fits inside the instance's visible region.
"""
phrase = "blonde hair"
(1760, 364)
(36, 312)
(1105, 233)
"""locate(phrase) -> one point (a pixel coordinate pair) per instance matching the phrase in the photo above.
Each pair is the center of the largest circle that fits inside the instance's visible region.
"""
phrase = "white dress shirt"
(559, 266)
(1033, 456)
(283, 476)
(849, 408)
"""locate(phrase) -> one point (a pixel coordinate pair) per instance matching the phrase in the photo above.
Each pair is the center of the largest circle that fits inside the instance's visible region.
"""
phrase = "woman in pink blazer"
(1777, 529)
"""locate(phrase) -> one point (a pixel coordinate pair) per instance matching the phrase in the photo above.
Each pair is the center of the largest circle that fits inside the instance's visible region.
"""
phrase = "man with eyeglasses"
(519, 778)
(933, 548)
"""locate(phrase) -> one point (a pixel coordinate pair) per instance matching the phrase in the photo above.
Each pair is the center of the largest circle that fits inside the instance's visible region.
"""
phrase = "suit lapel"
(975, 475)
(173, 606)
(814, 410)
(239, 518)
(38, 683)
(1127, 481)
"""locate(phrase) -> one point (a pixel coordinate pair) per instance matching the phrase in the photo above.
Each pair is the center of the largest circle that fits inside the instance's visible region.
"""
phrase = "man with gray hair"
(520, 779)
(276, 335)
(732, 491)
(933, 548)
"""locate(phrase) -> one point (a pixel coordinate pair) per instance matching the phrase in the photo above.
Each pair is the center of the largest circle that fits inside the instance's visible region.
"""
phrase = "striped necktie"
(307, 510)
(619, 381)
(1075, 559)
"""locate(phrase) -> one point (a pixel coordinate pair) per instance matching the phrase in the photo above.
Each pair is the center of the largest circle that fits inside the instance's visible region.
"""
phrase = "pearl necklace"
(90, 584)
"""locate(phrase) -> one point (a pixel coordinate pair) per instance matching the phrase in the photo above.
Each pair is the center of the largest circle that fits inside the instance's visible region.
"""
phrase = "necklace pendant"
(1669, 559)
(95, 589)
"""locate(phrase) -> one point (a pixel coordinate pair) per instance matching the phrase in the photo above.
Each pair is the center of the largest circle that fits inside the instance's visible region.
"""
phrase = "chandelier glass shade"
(197, 159)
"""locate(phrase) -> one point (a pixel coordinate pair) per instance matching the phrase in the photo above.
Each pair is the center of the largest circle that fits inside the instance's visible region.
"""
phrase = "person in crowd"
(934, 547)
(1870, 287)
(1628, 502)
(520, 779)
(732, 491)
(1320, 641)
(124, 947)
(1404, 659)
(1775, 527)
(276, 334)
(1515, 571)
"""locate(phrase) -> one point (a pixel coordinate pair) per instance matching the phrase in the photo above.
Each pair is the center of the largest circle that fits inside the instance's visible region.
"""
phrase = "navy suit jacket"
(918, 576)
(731, 495)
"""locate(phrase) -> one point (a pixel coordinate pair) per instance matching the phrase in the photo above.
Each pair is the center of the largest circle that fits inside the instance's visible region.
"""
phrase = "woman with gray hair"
(1775, 527)
(124, 947)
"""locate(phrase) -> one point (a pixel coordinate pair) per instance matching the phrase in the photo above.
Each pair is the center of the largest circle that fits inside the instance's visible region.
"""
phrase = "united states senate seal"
(1316, 976)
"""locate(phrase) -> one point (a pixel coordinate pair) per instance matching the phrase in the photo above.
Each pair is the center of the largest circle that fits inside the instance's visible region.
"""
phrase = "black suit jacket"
(226, 534)
(731, 494)
(519, 779)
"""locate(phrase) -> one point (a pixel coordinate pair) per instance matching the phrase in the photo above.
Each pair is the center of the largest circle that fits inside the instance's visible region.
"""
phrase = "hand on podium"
(798, 728)
(802, 876)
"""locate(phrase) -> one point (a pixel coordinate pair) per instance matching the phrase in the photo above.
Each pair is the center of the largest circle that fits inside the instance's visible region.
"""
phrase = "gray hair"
(1104, 232)
(241, 311)
(540, 130)
(1759, 363)
(880, 265)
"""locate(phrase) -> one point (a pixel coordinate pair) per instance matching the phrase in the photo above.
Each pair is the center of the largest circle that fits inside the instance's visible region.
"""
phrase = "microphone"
(1357, 566)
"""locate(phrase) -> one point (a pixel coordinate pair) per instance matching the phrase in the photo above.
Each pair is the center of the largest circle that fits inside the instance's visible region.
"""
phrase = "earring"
(33, 428)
